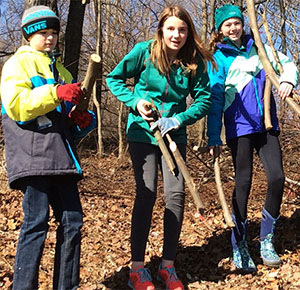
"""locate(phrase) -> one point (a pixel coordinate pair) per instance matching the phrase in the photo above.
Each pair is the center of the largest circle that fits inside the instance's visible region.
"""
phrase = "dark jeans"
(145, 160)
(268, 149)
(61, 193)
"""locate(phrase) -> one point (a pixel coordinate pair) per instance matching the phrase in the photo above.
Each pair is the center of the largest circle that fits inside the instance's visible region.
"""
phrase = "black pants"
(268, 149)
(146, 159)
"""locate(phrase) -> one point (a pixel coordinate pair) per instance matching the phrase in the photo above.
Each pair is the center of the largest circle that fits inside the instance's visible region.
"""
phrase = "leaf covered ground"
(203, 259)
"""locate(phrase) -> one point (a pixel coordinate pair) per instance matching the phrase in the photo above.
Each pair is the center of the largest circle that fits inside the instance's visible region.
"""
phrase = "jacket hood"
(29, 49)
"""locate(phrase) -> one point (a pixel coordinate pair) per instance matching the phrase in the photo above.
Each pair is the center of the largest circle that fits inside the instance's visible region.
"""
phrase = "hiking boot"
(168, 276)
(140, 279)
(267, 250)
(242, 259)
(241, 256)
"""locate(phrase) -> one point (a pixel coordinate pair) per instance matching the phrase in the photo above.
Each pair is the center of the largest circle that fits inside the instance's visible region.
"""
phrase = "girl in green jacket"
(166, 69)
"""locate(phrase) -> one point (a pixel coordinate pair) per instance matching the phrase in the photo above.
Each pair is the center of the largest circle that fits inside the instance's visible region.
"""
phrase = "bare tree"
(97, 93)
(73, 36)
(123, 24)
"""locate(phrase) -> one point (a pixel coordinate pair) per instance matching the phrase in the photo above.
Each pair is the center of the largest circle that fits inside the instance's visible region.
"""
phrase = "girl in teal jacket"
(237, 93)
(166, 70)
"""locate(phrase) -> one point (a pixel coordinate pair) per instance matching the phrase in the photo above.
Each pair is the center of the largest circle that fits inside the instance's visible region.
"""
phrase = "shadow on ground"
(210, 262)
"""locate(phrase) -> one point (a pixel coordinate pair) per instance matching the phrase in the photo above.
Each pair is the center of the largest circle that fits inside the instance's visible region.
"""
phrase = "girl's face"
(233, 28)
(175, 33)
(44, 40)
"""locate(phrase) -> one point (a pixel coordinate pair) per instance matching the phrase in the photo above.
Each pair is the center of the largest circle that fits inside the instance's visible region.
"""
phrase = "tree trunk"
(73, 36)
(212, 18)
(201, 130)
(284, 50)
(98, 93)
(202, 122)
(120, 132)
(30, 3)
(204, 21)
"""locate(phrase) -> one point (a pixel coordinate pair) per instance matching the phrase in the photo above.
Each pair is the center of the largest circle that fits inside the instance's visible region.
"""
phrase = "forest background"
(111, 28)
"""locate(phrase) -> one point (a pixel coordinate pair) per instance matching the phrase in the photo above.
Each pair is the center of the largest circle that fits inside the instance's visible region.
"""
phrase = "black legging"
(145, 160)
(268, 148)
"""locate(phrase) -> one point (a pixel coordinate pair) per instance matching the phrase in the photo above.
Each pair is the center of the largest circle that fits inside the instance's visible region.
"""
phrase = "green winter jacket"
(169, 95)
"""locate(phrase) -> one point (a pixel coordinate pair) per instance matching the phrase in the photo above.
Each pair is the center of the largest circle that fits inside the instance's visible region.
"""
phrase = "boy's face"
(44, 40)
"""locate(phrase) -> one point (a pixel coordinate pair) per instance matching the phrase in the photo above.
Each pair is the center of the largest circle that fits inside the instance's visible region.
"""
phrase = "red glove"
(69, 92)
(81, 118)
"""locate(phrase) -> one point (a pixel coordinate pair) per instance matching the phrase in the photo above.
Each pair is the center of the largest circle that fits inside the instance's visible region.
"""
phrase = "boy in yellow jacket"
(37, 101)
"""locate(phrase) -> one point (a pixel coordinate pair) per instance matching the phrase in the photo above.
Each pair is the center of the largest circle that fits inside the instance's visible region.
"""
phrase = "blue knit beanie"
(38, 18)
(225, 12)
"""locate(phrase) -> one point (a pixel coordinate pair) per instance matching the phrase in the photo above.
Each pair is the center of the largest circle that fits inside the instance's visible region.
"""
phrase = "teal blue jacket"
(238, 88)
(168, 94)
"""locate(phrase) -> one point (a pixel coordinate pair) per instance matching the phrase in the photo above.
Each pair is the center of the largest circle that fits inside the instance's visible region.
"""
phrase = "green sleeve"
(200, 92)
(130, 66)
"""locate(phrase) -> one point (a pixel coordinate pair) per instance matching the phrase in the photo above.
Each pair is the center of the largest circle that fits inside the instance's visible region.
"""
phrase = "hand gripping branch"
(181, 165)
(270, 73)
(163, 148)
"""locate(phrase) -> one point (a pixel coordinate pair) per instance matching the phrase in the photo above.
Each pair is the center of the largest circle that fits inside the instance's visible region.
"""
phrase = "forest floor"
(203, 259)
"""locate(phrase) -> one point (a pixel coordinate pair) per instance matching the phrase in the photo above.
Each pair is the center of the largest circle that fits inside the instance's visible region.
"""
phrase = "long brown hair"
(189, 54)
(218, 37)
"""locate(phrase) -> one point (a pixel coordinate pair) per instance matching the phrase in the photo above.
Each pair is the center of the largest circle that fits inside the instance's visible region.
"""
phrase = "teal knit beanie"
(225, 12)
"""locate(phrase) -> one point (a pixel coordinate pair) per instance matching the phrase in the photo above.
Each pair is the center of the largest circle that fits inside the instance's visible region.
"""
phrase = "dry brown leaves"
(203, 260)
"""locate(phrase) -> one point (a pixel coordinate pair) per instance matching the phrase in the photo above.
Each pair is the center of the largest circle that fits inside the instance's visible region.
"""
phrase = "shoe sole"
(158, 278)
(243, 270)
(131, 285)
(270, 264)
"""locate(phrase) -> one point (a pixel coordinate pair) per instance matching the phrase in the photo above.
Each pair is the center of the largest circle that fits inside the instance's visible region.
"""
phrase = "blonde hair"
(189, 54)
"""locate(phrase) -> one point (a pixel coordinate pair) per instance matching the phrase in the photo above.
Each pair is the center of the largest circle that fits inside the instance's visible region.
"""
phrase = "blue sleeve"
(79, 133)
(214, 118)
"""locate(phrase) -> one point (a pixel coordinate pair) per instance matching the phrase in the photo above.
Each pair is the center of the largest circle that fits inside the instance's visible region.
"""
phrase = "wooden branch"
(267, 104)
(269, 38)
(222, 199)
(164, 150)
(270, 73)
(89, 81)
(201, 149)
(186, 175)
(221, 195)
(179, 160)
(292, 181)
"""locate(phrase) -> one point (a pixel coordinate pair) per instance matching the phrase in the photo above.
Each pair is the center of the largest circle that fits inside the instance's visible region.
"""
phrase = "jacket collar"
(228, 44)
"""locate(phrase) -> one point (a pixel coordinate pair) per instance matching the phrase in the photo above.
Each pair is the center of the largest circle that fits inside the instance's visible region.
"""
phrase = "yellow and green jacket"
(39, 138)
